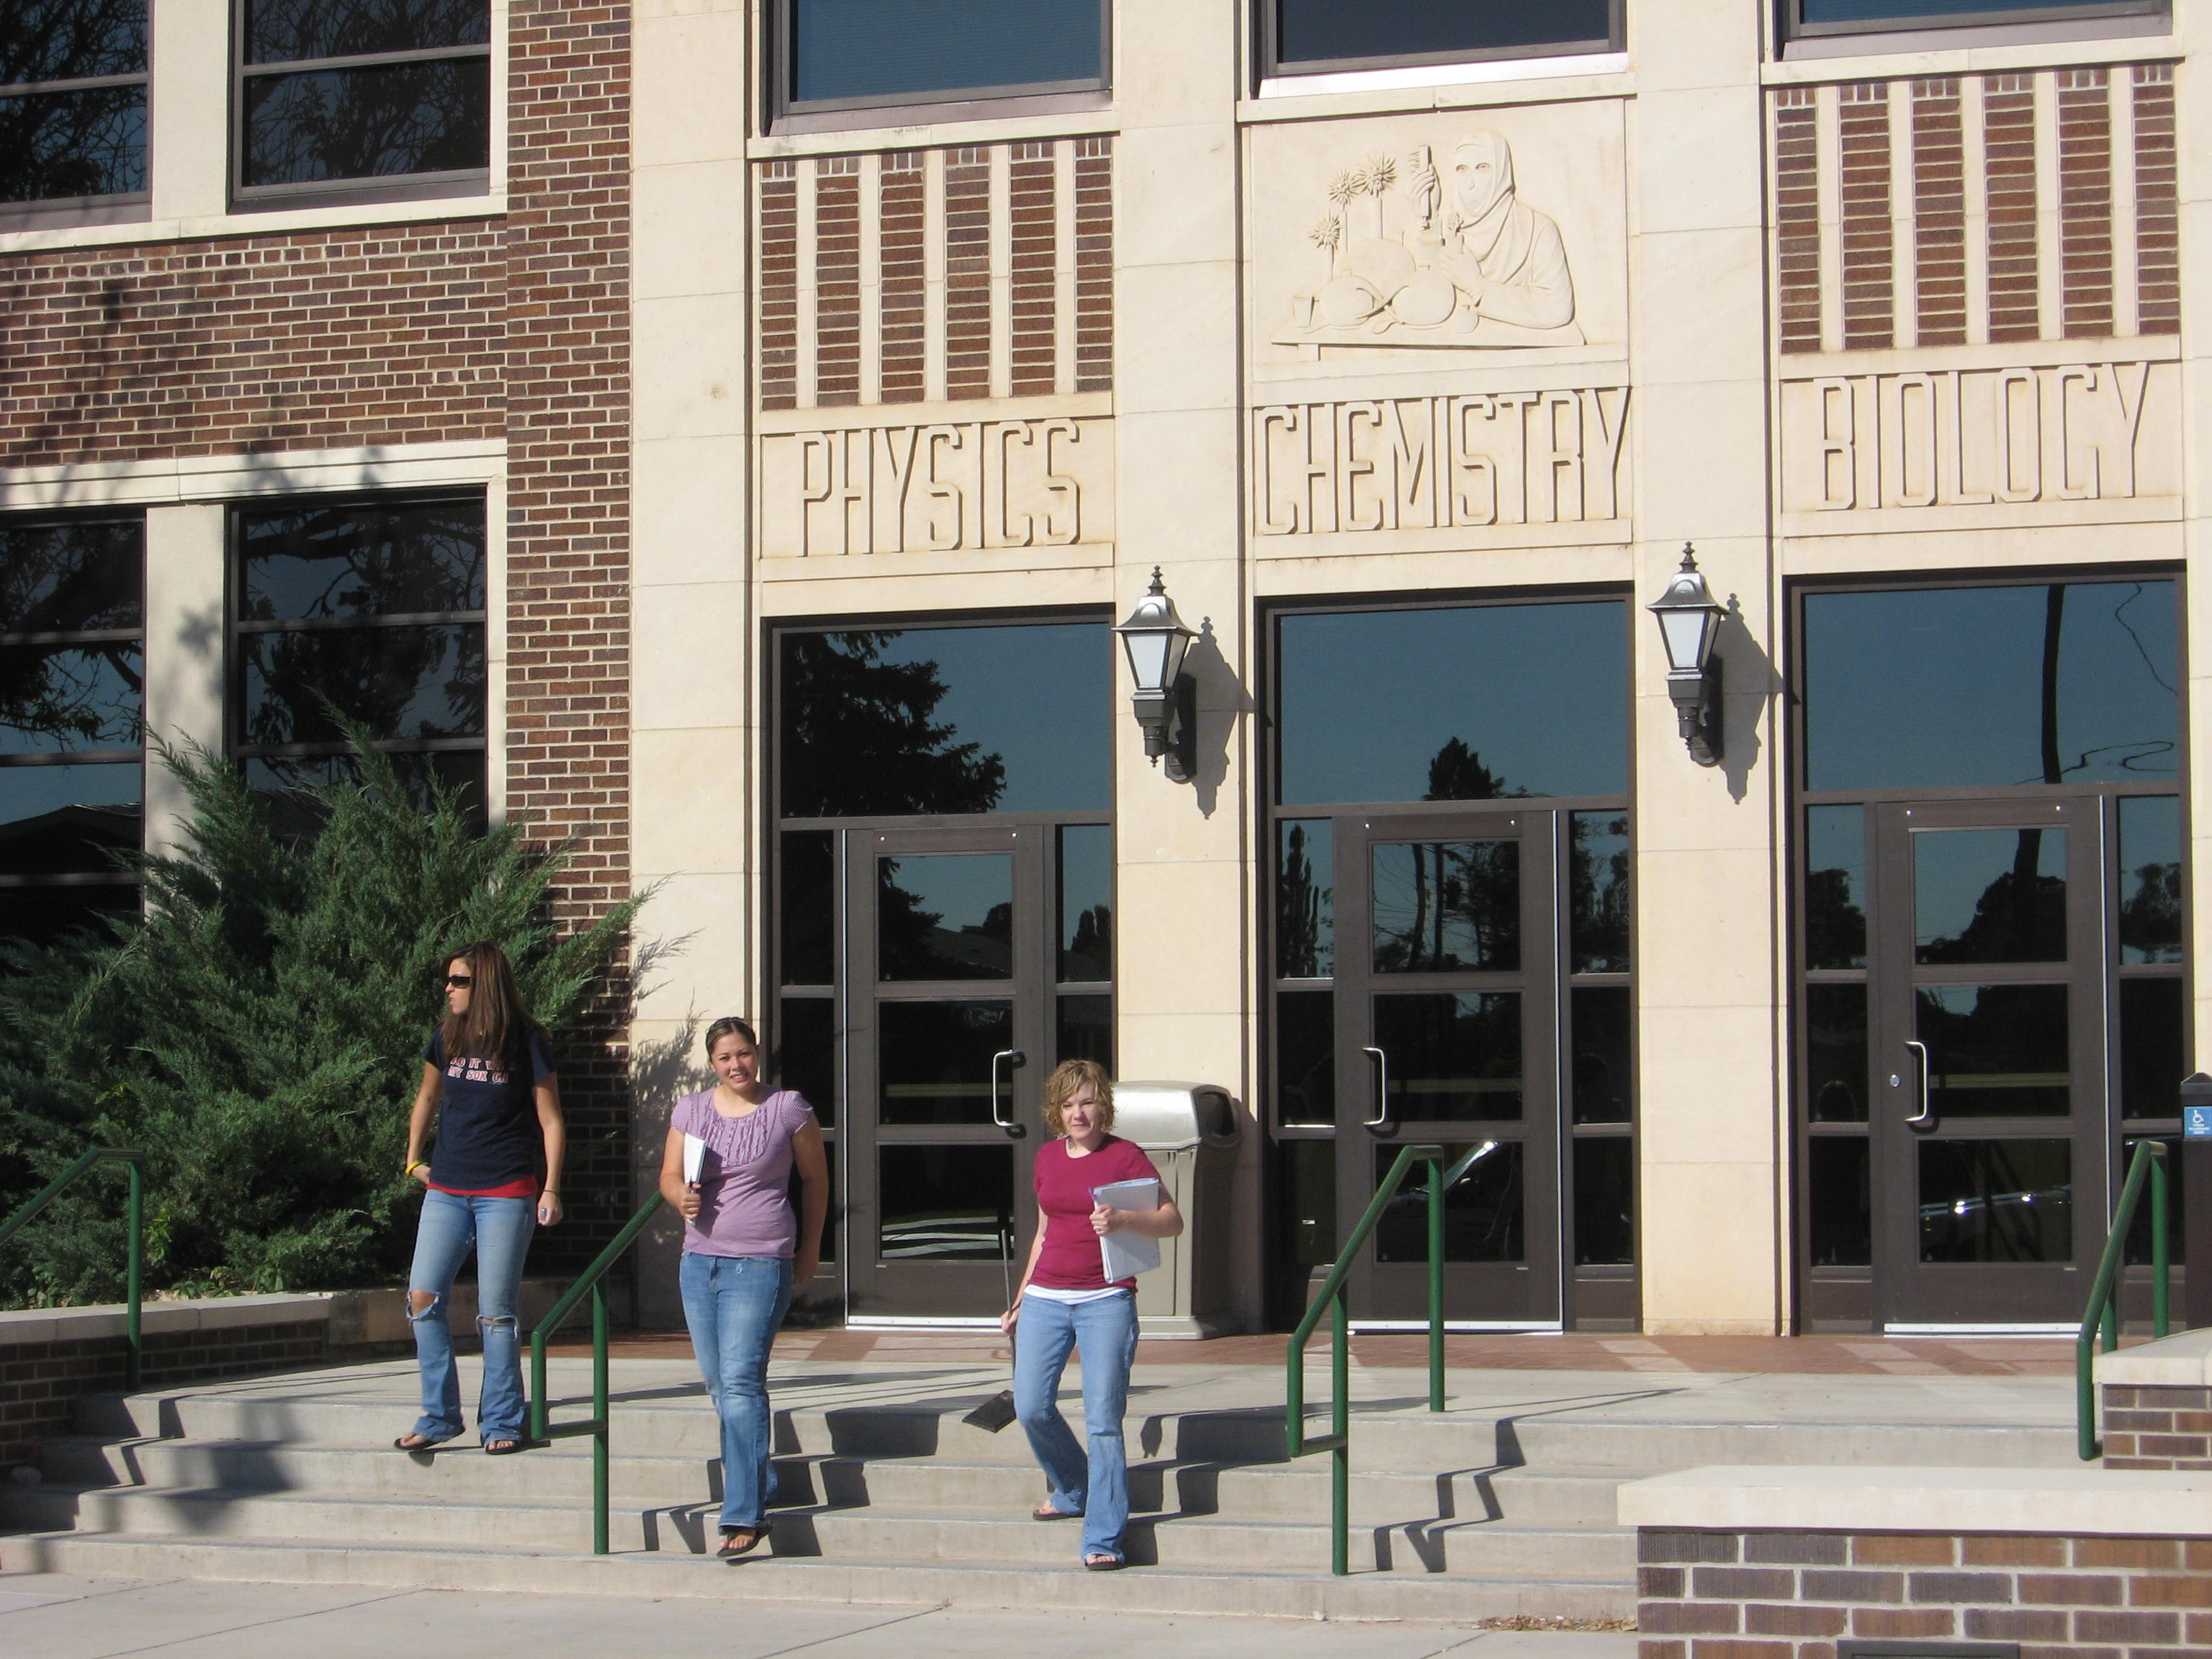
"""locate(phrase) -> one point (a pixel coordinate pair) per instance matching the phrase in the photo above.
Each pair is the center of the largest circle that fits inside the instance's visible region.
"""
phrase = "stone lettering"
(2072, 432)
(969, 485)
(1439, 463)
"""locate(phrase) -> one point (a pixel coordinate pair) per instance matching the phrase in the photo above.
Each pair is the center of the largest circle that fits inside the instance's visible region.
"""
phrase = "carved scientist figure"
(1490, 271)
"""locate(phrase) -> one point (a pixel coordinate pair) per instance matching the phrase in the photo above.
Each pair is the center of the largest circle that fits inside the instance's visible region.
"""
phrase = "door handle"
(1925, 1112)
(1382, 1117)
(1013, 1057)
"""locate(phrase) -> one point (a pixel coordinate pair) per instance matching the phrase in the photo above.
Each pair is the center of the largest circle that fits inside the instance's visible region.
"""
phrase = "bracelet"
(419, 1163)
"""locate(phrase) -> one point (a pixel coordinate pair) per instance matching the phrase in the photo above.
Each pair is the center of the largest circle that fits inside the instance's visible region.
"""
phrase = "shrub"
(259, 1031)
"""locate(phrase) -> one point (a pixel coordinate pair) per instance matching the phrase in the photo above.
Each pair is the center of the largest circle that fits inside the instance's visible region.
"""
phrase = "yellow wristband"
(419, 1163)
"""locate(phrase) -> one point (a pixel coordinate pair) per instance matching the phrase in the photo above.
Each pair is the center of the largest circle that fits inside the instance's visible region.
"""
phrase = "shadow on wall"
(1221, 699)
(1752, 681)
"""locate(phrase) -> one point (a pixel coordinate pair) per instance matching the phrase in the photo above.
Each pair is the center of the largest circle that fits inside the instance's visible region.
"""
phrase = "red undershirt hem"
(525, 1187)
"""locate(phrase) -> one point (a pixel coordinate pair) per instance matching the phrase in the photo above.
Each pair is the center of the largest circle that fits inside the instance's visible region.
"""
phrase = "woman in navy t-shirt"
(1065, 1303)
(488, 1076)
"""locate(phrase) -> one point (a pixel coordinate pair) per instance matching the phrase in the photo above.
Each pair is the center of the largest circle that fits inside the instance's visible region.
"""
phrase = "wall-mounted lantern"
(1166, 699)
(1689, 622)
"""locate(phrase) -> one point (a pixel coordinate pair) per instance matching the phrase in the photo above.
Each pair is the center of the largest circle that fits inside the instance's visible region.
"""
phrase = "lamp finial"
(1689, 557)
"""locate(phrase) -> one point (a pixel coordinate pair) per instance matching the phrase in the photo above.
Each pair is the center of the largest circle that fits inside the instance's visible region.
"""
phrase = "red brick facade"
(425, 332)
(567, 523)
(323, 341)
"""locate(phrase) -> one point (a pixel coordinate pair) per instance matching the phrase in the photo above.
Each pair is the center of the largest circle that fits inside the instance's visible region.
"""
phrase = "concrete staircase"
(886, 1495)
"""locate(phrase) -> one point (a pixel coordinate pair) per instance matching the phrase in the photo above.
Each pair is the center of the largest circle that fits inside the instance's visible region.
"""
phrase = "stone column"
(1709, 922)
(1185, 932)
(184, 630)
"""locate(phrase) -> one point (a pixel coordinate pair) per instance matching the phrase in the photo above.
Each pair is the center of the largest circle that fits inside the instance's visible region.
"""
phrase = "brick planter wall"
(2157, 1427)
(1792, 1594)
(40, 1381)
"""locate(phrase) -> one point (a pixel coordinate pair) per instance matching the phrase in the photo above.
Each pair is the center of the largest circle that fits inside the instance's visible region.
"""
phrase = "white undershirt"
(1046, 1293)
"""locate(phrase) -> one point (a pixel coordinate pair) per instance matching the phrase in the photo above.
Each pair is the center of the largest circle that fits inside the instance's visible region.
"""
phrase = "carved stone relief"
(1466, 462)
(1938, 438)
(947, 487)
(1379, 240)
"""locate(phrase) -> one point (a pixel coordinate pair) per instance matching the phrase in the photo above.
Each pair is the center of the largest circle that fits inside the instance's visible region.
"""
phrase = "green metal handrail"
(1338, 1442)
(132, 1160)
(595, 1425)
(2150, 1159)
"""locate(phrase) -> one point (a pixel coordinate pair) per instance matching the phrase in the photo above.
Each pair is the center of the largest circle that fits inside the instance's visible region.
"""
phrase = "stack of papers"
(1125, 1255)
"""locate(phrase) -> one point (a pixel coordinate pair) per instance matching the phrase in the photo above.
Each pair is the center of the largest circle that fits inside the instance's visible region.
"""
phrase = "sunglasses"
(460, 981)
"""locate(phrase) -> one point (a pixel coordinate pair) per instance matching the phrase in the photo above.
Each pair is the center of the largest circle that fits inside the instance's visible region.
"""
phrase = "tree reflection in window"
(82, 135)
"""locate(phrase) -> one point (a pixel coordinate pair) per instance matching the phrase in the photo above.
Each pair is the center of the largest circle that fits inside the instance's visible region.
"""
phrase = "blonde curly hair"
(1067, 1078)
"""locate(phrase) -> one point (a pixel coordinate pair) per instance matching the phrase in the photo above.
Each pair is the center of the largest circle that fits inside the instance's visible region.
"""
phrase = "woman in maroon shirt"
(1065, 1302)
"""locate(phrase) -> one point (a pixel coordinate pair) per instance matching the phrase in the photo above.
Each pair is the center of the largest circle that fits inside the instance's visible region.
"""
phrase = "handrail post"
(1436, 1283)
(599, 1413)
(1340, 1490)
(135, 1279)
(2161, 1246)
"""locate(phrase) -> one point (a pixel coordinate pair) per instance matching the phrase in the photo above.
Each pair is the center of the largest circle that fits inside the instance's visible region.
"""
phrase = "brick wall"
(2157, 1428)
(252, 343)
(40, 1381)
(568, 548)
(1759, 1595)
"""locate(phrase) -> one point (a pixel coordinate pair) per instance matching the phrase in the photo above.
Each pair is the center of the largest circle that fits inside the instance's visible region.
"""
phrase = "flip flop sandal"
(420, 1445)
(1045, 1512)
(1099, 1561)
(738, 1541)
(501, 1448)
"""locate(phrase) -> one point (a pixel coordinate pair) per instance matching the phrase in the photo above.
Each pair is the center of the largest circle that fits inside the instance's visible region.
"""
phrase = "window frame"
(1269, 65)
(11, 882)
(1791, 27)
(119, 207)
(236, 627)
(384, 187)
(779, 60)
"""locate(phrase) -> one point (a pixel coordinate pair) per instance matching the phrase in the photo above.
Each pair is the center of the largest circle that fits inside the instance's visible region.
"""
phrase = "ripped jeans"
(498, 1230)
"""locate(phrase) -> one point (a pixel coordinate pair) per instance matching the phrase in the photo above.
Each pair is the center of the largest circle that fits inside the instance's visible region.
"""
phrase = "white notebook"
(1125, 1255)
(694, 1155)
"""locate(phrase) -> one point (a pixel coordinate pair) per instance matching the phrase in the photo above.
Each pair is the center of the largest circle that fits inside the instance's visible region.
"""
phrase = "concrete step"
(1437, 1597)
(562, 1472)
(874, 1533)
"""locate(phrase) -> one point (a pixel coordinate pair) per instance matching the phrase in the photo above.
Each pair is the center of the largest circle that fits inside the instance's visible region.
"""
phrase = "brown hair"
(1067, 1078)
(730, 1026)
(497, 1025)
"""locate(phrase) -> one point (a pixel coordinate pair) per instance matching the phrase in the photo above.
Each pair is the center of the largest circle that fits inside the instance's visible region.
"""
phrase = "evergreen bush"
(258, 1032)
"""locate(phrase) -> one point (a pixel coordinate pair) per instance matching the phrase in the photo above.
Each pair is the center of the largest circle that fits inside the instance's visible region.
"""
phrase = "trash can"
(1189, 1130)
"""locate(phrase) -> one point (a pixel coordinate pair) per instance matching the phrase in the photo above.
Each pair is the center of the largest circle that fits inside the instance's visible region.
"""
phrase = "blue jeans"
(1105, 1333)
(498, 1230)
(733, 1304)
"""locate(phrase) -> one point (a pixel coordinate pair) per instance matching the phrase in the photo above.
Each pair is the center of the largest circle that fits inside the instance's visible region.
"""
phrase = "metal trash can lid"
(1173, 1117)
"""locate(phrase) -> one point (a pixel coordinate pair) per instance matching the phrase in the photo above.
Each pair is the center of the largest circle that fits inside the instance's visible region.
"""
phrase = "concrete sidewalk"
(59, 1616)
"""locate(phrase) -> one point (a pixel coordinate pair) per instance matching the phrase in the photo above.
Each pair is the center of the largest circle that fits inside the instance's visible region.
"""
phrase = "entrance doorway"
(1451, 959)
(1992, 990)
(944, 934)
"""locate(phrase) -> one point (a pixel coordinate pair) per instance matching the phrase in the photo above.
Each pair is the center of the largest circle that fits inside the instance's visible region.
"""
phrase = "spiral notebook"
(1125, 1255)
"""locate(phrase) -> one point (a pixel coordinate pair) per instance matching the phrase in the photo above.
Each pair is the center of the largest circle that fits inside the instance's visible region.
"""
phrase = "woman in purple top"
(744, 1250)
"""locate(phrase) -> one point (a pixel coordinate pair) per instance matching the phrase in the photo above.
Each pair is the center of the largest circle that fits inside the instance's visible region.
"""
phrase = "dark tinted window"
(70, 685)
(1839, 14)
(2071, 682)
(68, 141)
(889, 51)
(1469, 704)
(1341, 33)
(370, 612)
(337, 90)
(901, 721)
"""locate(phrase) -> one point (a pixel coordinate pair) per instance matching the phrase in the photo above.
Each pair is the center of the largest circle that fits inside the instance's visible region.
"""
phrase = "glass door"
(1989, 1125)
(947, 1048)
(1447, 1018)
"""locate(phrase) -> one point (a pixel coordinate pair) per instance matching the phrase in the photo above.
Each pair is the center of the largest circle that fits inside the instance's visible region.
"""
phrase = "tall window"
(1307, 37)
(71, 674)
(73, 103)
(370, 612)
(1815, 17)
(849, 54)
(355, 96)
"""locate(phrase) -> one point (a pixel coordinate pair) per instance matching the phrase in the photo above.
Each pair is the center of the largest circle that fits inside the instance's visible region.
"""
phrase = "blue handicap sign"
(2197, 1123)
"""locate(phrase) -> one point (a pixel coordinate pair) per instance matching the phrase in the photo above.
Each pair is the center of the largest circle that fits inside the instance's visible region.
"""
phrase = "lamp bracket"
(1170, 719)
(1697, 708)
